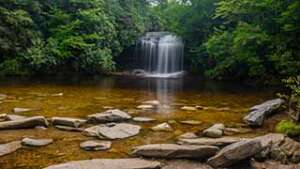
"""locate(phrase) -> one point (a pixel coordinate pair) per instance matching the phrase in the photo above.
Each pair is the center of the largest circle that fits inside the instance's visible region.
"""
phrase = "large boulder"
(235, 153)
(211, 141)
(36, 142)
(260, 112)
(175, 151)
(132, 163)
(9, 147)
(215, 131)
(113, 131)
(67, 121)
(109, 116)
(30, 122)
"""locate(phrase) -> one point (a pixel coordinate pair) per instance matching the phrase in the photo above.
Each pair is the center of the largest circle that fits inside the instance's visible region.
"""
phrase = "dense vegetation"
(241, 39)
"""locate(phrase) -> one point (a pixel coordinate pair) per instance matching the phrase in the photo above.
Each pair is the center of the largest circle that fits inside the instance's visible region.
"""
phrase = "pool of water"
(80, 96)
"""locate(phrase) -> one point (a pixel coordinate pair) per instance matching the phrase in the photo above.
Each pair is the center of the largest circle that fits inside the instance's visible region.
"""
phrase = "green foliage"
(289, 128)
(293, 84)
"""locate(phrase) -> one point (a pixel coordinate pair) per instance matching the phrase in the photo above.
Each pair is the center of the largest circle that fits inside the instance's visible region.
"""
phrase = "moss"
(289, 128)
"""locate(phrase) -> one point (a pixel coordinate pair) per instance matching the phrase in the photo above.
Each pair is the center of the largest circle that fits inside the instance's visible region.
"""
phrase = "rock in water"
(146, 107)
(95, 145)
(12, 117)
(66, 121)
(162, 127)
(210, 141)
(188, 135)
(152, 102)
(214, 131)
(9, 147)
(109, 116)
(30, 122)
(188, 108)
(259, 112)
(132, 163)
(22, 110)
(117, 131)
(3, 117)
(67, 128)
(143, 119)
(234, 153)
(175, 151)
(272, 165)
(36, 142)
(191, 122)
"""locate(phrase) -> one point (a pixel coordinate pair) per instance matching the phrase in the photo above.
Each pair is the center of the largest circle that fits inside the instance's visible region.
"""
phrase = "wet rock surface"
(162, 127)
(9, 147)
(273, 165)
(67, 128)
(211, 141)
(67, 121)
(260, 112)
(175, 151)
(215, 131)
(95, 145)
(30, 122)
(36, 142)
(132, 163)
(143, 119)
(109, 116)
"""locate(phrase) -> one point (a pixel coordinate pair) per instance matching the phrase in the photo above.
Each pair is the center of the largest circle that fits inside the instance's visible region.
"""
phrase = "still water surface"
(224, 103)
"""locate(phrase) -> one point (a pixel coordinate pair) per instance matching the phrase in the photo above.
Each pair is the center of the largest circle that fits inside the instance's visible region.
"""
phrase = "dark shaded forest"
(224, 39)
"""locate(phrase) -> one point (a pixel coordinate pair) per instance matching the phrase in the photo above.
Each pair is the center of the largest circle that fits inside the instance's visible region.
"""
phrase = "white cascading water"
(162, 54)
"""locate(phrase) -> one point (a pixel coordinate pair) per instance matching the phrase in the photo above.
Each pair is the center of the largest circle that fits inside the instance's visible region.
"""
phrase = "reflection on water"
(226, 102)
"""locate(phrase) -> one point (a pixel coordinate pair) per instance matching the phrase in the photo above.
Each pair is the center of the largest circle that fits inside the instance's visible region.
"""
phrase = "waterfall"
(162, 54)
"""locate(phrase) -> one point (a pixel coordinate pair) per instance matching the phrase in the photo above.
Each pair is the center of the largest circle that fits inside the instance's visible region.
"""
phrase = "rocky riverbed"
(54, 125)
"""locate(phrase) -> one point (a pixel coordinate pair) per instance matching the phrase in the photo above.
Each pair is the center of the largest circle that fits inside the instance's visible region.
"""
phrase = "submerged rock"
(188, 135)
(191, 122)
(95, 145)
(113, 131)
(132, 163)
(67, 121)
(143, 119)
(215, 131)
(30, 122)
(146, 107)
(152, 102)
(67, 128)
(188, 108)
(9, 147)
(36, 142)
(260, 112)
(109, 116)
(235, 153)
(211, 141)
(175, 151)
(22, 110)
(162, 127)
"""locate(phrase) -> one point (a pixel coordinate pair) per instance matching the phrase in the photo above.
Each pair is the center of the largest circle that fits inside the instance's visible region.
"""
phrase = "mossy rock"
(289, 128)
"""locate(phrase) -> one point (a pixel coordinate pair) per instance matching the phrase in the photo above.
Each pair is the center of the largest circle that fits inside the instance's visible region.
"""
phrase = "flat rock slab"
(189, 108)
(113, 131)
(9, 147)
(210, 141)
(143, 119)
(67, 121)
(146, 107)
(95, 145)
(109, 116)
(191, 122)
(152, 102)
(133, 163)
(188, 135)
(162, 127)
(235, 153)
(13, 117)
(22, 110)
(170, 151)
(30, 122)
(67, 128)
(260, 112)
(273, 165)
(36, 142)
(185, 164)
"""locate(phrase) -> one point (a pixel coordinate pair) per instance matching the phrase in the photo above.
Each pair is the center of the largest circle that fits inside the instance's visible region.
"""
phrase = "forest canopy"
(244, 39)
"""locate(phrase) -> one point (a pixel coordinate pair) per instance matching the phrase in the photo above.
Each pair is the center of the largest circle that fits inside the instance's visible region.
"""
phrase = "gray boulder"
(36, 142)
(9, 147)
(133, 163)
(67, 121)
(214, 131)
(95, 145)
(109, 116)
(175, 151)
(235, 153)
(260, 112)
(30, 122)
